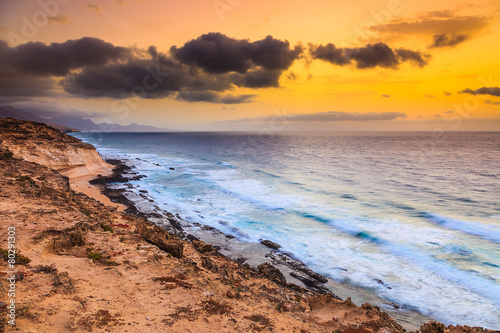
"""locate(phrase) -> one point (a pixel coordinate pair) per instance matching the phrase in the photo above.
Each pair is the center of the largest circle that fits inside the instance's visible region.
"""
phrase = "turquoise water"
(409, 217)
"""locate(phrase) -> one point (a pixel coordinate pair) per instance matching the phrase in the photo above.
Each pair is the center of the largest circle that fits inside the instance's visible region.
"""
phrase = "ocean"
(412, 218)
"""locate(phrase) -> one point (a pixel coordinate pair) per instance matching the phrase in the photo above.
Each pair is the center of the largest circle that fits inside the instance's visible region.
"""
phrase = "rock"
(207, 263)
(270, 244)
(159, 237)
(192, 237)
(69, 238)
(170, 285)
(432, 327)
(271, 272)
(230, 294)
(172, 168)
(202, 247)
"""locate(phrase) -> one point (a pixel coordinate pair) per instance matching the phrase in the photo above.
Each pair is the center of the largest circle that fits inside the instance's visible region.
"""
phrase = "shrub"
(106, 227)
(96, 256)
(19, 258)
(85, 212)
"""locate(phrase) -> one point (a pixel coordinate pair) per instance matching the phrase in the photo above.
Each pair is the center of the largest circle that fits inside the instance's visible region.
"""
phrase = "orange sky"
(427, 95)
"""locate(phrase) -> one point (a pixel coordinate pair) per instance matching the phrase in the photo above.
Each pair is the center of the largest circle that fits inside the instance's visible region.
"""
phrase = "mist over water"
(410, 217)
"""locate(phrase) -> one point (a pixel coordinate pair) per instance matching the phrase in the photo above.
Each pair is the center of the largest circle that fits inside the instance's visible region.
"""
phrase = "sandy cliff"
(49, 147)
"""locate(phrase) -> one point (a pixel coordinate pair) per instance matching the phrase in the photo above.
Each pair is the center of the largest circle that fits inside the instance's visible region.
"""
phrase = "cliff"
(43, 144)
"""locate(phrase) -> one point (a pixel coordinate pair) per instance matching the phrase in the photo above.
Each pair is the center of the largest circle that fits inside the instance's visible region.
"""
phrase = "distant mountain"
(11, 112)
(70, 123)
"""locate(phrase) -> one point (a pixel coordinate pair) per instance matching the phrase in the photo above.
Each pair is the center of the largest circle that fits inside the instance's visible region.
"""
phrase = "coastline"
(92, 267)
(250, 254)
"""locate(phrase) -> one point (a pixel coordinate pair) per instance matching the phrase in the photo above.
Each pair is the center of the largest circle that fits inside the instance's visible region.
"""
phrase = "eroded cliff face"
(47, 146)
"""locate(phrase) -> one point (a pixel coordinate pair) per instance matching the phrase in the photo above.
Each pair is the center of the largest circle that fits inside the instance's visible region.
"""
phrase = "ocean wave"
(487, 232)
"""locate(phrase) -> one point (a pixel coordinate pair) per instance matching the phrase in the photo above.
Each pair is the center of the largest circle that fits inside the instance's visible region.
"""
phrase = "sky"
(256, 65)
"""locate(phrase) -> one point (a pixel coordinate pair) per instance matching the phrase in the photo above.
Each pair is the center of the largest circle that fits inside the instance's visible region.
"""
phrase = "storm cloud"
(218, 53)
(204, 69)
(369, 56)
(493, 91)
(58, 59)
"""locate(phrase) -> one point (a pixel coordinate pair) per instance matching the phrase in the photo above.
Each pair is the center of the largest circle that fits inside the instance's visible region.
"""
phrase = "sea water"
(411, 217)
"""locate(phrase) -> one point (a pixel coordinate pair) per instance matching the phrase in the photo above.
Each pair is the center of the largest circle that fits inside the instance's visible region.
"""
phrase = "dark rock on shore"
(270, 244)
(159, 237)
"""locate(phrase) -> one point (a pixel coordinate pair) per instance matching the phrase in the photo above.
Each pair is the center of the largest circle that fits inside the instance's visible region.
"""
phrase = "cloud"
(97, 8)
(417, 58)
(259, 79)
(334, 116)
(369, 56)
(197, 77)
(373, 55)
(58, 59)
(58, 19)
(447, 93)
(429, 96)
(432, 24)
(218, 53)
(386, 96)
(158, 77)
(330, 53)
(488, 101)
(211, 97)
(444, 40)
(493, 91)
(446, 27)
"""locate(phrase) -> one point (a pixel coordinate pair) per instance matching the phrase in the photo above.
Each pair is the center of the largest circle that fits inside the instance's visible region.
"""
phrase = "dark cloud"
(444, 40)
(218, 53)
(197, 71)
(58, 59)
(211, 97)
(493, 91)
(386, 96)
(259, 79)
(330, 53)
(215, 53)
(373, 55)
(160, 77)
(488, 101)
(369, 56)
(417, 58)
(447, 93)
(274, 54)
(333, 116)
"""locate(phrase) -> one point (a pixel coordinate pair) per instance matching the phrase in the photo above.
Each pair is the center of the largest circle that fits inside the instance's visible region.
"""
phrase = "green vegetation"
(111, 263)
(23, 178)
(96, 256)
(85, 212)
(106, 227)
(19, 258)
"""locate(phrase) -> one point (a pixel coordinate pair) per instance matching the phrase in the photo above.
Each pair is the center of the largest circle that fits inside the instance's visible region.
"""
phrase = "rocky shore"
(83, 266)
